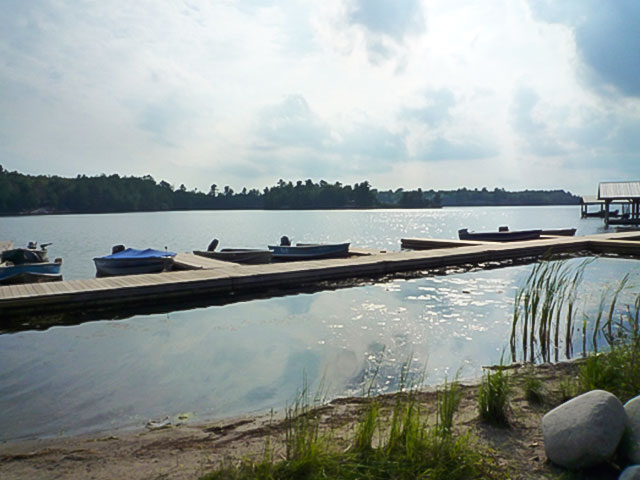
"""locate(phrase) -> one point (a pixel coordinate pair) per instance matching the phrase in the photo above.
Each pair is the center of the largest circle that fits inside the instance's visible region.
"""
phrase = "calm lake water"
(221, 361)
(80, 238)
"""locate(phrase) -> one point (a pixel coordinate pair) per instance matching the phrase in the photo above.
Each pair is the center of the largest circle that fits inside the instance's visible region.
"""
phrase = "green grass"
(568, 387)
(493, 397)
(533, 387)
(387, 443)
(448, 401)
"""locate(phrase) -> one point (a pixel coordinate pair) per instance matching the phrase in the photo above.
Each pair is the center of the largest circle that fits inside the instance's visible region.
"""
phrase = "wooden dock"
(201, 281)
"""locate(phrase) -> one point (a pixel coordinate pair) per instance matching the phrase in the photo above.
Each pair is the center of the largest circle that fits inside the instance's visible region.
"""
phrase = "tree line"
(23, 194)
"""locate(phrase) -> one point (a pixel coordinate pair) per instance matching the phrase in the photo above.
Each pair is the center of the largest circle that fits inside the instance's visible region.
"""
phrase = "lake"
(80, 238)
(221, 361)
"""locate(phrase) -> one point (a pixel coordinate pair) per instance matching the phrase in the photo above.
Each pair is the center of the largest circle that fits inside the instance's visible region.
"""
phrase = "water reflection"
(226, 360)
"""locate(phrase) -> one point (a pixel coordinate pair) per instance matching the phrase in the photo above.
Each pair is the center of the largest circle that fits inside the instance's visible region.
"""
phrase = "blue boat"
(130, 261)
(28, 265)
(309, 251)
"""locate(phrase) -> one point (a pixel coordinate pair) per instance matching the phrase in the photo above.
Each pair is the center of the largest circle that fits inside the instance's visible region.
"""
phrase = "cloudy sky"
(403, 93)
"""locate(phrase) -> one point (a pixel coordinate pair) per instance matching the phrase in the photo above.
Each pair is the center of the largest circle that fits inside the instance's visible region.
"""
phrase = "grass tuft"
(533, 388)
(447, 404)
(408, 447)
(568, 387)
(493, 397)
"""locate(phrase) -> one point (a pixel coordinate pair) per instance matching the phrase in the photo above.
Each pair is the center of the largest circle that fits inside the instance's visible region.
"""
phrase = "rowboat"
(309, 251)
(559, 232)
(247, 256)
(31, 272)
(236, 255)
(502, 235)
(131, 261)
(28, 265)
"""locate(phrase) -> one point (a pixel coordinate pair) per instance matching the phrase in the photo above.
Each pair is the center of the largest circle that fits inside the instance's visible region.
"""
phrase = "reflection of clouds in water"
(226, 360)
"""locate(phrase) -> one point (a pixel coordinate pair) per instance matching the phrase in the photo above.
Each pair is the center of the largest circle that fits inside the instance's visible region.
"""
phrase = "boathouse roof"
(590, 200)
(619, 190)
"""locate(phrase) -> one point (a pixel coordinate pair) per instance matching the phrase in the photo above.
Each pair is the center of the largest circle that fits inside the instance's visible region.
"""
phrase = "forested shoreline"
(43, 194)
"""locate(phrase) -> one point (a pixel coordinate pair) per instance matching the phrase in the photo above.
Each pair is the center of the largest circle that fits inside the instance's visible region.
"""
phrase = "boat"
(247, 256)
(251, 256)
(601, 214)
(559, 232)
(130, 261)
(309, 251)
(502, 235)
(29, 265)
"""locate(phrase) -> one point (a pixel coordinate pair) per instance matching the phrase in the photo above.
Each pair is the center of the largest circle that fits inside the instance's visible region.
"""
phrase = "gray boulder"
(630, 473)
(585, 431)
(632, 435)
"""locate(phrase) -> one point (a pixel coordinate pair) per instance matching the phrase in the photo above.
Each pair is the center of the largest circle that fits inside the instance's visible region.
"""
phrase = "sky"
(516, 94)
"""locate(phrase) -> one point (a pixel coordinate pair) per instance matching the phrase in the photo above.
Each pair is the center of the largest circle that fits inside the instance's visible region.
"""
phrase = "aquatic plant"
(546, 313)
(618, 369)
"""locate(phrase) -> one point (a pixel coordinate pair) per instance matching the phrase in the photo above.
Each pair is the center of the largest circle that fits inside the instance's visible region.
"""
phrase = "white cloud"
(606, 36)
(412, 94)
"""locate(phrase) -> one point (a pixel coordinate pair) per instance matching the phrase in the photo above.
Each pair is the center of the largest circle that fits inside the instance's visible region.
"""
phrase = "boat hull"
(309, 251)
(131, 266)
(559, 232)
(506, 236)
(30, 273)
(245, 256)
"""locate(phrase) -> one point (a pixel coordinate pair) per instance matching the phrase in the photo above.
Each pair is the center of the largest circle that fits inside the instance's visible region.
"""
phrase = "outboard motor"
(284, 241)
(213, 245)
(117, 248)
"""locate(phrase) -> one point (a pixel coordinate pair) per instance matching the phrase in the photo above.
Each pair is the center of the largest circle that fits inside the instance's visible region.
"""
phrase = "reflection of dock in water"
(199, 281)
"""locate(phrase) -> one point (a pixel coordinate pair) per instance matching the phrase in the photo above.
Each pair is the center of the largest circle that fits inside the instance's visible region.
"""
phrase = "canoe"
(309, 251)
(132, 261)
(247, 256)
(504, 235)
(30, 272)
(559, 232)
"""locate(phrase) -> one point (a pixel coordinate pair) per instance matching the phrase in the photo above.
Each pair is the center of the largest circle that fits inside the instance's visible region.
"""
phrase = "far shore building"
(627, 194)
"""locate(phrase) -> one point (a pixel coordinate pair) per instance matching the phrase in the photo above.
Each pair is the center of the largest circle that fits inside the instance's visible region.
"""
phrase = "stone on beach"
(630, 473)
(584, 431)
(632, 435)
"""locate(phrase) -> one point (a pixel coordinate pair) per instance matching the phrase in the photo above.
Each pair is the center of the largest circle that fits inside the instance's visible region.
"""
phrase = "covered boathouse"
(617, 192)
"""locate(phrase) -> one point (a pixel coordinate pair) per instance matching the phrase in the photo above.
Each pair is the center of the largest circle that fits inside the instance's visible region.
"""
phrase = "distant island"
(43, 194)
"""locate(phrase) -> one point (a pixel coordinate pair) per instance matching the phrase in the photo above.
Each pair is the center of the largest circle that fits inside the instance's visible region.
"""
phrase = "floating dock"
(201, 281)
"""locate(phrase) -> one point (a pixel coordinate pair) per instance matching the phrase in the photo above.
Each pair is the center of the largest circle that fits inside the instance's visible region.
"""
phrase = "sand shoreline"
(190, 450)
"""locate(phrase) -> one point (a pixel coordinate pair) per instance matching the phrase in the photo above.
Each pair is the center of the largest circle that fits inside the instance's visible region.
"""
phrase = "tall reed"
(546, 310)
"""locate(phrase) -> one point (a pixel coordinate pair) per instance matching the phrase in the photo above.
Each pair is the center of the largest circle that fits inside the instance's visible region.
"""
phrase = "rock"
(584, 431)
(630, 473)
(632, 435)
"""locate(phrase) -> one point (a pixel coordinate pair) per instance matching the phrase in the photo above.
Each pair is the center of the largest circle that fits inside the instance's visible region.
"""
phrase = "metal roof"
(619, 190)
(591, 200)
